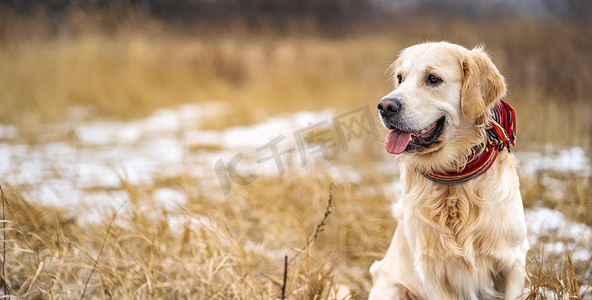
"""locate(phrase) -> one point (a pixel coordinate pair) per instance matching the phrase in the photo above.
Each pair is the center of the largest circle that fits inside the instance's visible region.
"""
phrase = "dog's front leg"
(393, 277)
(514, 274)
(434, 278)
(515, 282)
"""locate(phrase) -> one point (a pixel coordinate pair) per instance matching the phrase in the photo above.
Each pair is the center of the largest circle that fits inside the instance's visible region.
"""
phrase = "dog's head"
(441, 101)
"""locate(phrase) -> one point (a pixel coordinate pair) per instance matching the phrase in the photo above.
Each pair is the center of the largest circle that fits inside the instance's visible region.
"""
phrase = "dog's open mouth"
(399, 141)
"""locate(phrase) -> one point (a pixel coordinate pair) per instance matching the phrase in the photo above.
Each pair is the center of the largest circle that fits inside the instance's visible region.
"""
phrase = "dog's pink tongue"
(396, 142)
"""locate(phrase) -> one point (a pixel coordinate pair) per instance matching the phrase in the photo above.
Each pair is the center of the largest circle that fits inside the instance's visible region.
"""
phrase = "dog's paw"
(403, 293)
(396, 292)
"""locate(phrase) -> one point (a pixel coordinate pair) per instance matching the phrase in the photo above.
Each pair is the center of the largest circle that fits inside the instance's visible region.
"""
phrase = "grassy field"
(127, 73)
(233, 247)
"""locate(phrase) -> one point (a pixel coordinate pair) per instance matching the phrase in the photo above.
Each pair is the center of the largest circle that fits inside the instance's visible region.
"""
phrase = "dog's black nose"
(389, 106)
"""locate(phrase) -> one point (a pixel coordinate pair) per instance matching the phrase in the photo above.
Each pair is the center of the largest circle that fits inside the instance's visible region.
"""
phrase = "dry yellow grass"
(128, 72)
(130, 76)
(233, 247)
(220, 247)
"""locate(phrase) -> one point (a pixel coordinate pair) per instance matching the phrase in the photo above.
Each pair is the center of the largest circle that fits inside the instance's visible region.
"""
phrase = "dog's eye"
(432, 79)
(399, 78)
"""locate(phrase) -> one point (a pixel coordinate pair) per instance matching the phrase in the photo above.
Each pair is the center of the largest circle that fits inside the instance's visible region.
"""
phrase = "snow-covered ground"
(166, 144)
(88, 168)
(551, 230)
(564, 160)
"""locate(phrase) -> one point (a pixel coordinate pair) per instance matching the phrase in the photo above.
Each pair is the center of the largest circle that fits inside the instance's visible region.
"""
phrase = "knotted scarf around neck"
(500, 134)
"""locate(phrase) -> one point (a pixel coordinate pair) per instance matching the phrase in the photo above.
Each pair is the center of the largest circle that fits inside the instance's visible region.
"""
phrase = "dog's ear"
(393, 68)
(482, 85)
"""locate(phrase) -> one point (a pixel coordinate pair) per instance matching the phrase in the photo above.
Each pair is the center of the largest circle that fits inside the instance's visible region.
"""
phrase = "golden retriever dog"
(460, 221)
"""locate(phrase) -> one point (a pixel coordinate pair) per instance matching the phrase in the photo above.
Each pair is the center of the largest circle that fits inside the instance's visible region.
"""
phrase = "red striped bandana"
(501, 134)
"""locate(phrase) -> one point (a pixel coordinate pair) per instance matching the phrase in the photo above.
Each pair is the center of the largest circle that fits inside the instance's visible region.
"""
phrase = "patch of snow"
(544, 223)
(105, 198)
(567, 160)
(101, 133)
(140, 152)
(264, 249)
(164, 122)
(257, 135)
(169, 198)
(55, 192)
(177, 223)
(580, 254)
(344, 174)
(8, 132)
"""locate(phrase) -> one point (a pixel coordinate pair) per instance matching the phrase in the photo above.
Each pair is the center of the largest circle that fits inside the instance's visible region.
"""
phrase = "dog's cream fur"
(462, 241)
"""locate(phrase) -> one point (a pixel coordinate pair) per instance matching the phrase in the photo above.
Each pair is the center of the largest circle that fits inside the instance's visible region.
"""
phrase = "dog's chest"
(450, 240)
(456, 222)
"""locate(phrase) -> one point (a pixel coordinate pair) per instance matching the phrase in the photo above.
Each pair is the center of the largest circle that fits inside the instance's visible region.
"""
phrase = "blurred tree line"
(327, 14)
(544, 45)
